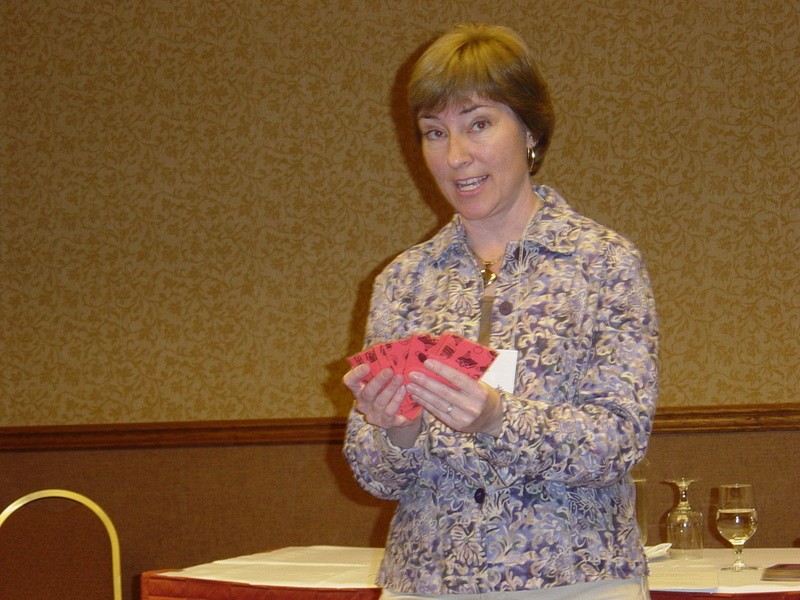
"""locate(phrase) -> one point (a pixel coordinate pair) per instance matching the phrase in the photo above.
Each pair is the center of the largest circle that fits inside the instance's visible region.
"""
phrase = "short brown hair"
(491, 62)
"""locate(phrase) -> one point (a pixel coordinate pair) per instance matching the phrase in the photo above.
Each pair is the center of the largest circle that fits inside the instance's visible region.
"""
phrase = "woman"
(519, 488)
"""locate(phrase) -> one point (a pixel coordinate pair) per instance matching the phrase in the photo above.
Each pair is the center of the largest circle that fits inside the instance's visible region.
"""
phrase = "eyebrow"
(466, 110)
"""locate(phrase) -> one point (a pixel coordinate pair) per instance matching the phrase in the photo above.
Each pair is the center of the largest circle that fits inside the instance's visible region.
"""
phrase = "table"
(702, 579)
(345, 573)
(292, 573)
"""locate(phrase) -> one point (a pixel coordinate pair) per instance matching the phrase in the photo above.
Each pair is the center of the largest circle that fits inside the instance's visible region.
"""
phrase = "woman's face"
(476, 151)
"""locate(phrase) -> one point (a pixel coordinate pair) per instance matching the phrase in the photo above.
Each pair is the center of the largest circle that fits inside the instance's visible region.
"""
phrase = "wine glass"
(736, 519)
(685, 524)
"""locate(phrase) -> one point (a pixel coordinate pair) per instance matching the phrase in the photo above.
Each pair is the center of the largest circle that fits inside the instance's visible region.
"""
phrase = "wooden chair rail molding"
(736, 418)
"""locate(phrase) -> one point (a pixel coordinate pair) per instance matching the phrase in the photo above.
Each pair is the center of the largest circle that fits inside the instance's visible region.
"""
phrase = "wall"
(176, 507)
(197, 195)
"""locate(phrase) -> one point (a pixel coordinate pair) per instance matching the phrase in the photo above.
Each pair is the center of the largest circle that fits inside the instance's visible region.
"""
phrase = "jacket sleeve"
(380, 467)
(601, 429)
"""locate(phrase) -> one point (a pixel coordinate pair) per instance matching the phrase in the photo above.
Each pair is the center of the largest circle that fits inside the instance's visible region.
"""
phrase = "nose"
(458, 153)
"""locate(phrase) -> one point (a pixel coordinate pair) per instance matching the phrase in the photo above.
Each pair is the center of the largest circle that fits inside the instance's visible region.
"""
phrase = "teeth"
(470, 184)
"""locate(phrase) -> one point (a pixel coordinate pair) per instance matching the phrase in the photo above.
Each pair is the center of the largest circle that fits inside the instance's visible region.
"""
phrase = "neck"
(488, 238)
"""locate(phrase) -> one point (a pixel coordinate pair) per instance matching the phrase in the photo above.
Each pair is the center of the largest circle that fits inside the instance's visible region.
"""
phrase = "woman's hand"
(379, 401)
(469, 406)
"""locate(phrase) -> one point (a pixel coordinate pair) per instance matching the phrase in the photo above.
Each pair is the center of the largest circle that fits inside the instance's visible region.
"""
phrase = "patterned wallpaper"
(196, 195)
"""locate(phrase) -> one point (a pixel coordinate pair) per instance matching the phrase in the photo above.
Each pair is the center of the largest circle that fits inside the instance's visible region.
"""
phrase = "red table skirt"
(155, 587)
(656, 595)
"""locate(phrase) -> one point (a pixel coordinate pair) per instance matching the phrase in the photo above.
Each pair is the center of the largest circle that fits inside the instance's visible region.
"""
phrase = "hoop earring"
(531, 159)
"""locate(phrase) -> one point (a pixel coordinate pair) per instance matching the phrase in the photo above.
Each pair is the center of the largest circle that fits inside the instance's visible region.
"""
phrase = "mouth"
(471, 184)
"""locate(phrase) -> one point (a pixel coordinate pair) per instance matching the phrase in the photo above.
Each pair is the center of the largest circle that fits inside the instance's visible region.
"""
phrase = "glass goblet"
(685, 524)
(737, 519)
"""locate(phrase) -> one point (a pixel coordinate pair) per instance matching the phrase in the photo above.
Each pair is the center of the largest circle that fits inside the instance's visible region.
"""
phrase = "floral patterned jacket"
(550, 501)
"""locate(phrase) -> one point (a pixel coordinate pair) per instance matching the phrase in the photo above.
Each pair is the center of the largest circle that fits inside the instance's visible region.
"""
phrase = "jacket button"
(480, 495)
(505, 307)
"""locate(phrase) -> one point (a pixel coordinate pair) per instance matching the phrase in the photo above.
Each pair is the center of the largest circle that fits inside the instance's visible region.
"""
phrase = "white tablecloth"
(346, 567)
(706, 574)
(295, 566)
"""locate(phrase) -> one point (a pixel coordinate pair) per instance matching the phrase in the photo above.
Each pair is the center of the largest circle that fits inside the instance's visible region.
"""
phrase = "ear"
(530, 140)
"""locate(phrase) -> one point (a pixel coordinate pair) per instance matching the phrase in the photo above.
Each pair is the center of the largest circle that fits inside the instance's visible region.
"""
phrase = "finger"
(377, 384)
(432, 391)
(460, 408)
(447, 383)
(353, 379)
(436, 397)
(457, 378)
(378, 399)
(393, 406)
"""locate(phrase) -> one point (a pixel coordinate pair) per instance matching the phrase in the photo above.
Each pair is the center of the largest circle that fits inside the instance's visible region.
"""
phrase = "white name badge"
(502, 373)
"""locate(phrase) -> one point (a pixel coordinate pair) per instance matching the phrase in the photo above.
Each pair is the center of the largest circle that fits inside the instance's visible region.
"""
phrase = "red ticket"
(464, 355)
(409, 354)
(367, 357)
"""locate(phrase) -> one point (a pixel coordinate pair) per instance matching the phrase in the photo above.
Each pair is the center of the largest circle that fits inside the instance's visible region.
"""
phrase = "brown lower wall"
(175, 507)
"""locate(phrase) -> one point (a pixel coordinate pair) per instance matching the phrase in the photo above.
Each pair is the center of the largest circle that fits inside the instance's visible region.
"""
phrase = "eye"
(433, 134)
(481, 124)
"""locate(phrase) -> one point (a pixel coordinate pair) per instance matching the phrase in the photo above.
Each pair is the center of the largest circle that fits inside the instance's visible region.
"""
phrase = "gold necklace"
(487, 274)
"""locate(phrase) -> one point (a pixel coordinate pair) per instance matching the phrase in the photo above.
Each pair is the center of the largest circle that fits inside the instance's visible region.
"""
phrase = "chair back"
(40, 545)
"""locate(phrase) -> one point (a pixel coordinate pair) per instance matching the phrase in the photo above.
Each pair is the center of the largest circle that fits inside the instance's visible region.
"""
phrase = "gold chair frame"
(91, 505)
